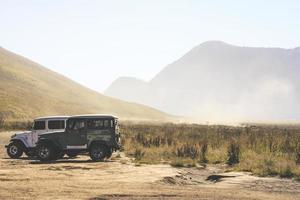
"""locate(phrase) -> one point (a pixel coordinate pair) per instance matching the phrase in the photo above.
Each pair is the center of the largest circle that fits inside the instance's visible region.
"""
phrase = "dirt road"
(120, 178)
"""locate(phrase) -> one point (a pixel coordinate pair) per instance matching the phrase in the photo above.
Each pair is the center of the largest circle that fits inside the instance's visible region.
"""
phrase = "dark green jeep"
(96, 134)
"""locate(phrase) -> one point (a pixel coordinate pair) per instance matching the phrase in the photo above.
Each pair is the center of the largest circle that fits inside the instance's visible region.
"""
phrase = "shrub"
(183, 163)
(233, 153)
(177, 163)
(298, 155)
(138, 154)
(203, 152)
(267, 168)
(286, 172)
(188, 151)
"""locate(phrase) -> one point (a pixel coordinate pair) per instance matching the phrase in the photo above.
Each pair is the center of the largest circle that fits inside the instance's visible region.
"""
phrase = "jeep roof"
(93, 116)
(51, 117)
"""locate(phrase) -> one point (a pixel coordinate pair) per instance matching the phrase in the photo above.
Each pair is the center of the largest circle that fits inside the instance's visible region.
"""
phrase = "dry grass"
(263, 150)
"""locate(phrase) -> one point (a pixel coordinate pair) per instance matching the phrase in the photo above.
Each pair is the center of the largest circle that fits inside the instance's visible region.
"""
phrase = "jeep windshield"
(39, 125)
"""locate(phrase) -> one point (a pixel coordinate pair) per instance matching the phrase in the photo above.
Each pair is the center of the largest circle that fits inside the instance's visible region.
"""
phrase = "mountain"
(28, 90)
(219, 81)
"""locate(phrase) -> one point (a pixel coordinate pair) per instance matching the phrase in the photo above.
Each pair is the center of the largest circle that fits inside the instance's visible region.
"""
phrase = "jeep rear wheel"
(45, 152)
(14, 150)
(57, 155)
(108, 153)
(98, 152)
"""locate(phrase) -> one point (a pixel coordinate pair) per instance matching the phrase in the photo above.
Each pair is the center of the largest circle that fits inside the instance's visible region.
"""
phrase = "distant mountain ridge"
(219, 81)
(28, 90)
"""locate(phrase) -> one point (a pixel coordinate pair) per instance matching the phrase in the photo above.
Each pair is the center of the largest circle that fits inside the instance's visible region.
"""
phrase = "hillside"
(219, 81)
(28, 90)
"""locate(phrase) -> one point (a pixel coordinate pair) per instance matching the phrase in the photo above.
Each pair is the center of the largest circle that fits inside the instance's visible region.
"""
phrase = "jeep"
(25, 142)
(96, 134)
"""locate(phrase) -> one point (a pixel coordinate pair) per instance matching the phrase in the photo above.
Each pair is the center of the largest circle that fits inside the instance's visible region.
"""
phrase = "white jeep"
(25, 142)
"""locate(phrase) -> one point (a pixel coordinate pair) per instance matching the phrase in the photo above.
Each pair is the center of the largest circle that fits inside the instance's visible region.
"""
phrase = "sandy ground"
(119, 178)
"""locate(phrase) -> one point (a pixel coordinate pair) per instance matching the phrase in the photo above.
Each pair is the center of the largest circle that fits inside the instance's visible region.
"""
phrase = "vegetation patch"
(265, 150)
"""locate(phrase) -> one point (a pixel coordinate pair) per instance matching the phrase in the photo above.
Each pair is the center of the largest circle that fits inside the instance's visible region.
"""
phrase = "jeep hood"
(20, 134)
(50, 134)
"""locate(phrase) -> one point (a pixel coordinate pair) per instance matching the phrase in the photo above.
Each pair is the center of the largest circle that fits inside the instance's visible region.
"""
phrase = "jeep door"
(39, 127)
(77, 138)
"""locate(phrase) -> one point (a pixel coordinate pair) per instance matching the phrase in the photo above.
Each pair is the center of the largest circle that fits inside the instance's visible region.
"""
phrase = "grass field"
(265, 150)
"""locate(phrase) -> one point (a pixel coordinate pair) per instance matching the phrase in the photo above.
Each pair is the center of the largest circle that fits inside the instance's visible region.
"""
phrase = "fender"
(19, 141)
(47, 141)
(21, 138)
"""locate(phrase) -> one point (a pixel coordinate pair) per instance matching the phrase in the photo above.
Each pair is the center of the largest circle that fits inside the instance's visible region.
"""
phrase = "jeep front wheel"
(14, 150)
(98, 152)
(45, 152)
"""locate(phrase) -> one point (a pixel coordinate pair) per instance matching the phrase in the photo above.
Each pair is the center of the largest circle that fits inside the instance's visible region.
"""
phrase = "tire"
(14, 150)
(46, 152)
(61, 155)
(98, 152)
(58, 155)
(72, 154)
(108, 153)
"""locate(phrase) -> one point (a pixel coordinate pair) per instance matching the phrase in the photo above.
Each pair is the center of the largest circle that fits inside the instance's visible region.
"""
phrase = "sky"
(94, 42)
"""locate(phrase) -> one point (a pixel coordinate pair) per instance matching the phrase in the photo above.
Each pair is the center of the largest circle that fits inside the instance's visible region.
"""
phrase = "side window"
(100, 124)
(116, 126)
(70, 124)
(56, 124)
(79, 125)
(76, 125)
(95, 124)
(111, 123)
(39, 125)
(106, 123)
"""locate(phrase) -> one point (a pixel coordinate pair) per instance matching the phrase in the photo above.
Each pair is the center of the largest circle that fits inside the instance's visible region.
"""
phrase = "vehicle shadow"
(22, 158)
(68, 160)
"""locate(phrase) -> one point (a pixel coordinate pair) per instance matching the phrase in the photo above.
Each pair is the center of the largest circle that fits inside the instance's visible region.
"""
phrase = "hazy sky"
(94, 42)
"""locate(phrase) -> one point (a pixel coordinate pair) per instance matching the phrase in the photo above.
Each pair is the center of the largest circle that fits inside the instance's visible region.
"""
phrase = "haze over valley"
(222, 82)
(215, 81)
